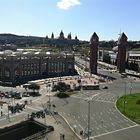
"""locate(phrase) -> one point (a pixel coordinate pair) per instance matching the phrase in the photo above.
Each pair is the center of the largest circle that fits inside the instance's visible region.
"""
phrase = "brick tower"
(121, 57)
(94, 43)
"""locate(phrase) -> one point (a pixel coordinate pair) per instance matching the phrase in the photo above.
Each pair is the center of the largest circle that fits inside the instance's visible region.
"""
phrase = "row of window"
(28, 66)
(56, 67)
(23, 73)
(31, 69)
(134, 57)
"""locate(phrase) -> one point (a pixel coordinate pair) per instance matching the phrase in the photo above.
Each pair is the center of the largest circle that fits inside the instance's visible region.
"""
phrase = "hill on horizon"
(20, 40)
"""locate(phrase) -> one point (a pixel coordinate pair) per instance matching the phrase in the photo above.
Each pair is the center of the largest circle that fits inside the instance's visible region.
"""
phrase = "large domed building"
(62, 42)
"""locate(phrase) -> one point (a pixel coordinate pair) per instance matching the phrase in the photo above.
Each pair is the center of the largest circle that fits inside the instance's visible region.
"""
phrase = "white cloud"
(66, 4)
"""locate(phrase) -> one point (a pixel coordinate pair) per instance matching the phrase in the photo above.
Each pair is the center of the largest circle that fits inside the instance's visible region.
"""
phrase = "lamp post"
(124, 96)
(8, 115)
(131, 87)
(49, 98)
(88, 119)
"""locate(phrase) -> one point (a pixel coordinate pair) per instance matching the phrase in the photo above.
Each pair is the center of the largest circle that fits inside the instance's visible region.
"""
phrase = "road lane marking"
(36, 109)
(12, 116)
(124, 115)
(103, 101)
(115, 131)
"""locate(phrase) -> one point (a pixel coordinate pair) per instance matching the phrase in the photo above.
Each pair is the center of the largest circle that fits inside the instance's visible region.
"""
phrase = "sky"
(80, 17)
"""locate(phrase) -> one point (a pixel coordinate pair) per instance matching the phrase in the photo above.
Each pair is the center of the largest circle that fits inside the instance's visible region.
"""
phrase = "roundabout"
(129, 105)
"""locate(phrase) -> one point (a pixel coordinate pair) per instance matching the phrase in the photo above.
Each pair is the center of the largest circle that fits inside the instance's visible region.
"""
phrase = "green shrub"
(138, 102)
(62, 95)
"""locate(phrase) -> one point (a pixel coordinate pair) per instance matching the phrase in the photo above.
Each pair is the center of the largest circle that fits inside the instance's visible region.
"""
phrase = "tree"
(62, 87)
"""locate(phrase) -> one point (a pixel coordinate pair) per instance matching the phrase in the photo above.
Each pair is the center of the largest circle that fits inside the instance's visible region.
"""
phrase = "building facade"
(17, 68)
(62, 42)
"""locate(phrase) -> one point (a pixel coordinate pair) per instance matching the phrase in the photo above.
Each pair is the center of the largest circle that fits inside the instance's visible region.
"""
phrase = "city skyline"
(80, 17)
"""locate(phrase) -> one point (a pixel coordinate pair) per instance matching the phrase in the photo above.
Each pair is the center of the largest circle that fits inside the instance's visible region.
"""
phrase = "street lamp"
(8, 115)
(43, 106)
(124, 96)
(131, 87)
(49, 98)
(88, 119)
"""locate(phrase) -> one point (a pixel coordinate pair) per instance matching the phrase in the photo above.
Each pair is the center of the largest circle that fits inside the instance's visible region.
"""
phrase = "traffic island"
(129, 105)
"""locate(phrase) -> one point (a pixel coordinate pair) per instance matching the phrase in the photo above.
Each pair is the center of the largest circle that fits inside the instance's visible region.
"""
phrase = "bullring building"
(17, 68)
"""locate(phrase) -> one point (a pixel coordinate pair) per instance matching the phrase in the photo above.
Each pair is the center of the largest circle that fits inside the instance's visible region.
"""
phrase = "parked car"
(34, 94)
(105, 87)
(77, 88)
(8, 95)
(17, 95)
(1, 95)
(25, 94)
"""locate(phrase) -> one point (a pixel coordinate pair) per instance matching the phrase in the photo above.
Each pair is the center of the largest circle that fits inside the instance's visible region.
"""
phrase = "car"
(8, 95)
(86, 133)
(18, 97)
(2, 94)
(77, 88)
(122, 76)
(105, 87)
(25, 94)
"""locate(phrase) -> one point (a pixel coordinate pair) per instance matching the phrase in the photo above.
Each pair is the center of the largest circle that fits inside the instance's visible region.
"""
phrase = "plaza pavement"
(59, 124)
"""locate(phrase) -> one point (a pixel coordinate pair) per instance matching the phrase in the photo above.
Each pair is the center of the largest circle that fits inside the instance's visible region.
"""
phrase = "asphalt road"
(106, 122)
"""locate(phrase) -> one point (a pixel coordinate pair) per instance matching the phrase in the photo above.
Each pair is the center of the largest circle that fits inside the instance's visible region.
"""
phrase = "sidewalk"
(60, 127)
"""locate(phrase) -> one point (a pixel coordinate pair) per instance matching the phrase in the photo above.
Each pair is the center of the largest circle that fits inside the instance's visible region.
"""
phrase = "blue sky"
(80, 17)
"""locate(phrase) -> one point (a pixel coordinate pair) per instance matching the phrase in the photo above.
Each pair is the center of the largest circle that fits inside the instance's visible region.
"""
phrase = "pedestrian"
(63, 137)
(1, 113)
(30, 101)
(81, 132)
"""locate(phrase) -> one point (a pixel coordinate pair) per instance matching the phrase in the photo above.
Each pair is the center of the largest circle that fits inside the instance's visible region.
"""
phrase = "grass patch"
(129, 105)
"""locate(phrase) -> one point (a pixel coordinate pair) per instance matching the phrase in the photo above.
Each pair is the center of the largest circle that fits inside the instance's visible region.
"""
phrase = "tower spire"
(94, 38)
(52, 36)
(61, 35)
(69, 36)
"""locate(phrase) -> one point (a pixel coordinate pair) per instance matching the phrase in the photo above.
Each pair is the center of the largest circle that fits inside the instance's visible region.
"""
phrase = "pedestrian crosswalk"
(101, 122)
(97, 96)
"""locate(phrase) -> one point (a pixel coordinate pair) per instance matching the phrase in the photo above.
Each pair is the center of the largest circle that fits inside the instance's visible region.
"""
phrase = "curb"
(70, 126)
(123, 114)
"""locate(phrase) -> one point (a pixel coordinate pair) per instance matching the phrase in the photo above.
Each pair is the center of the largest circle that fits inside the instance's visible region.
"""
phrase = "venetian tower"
(94, 43)
(121, 57)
